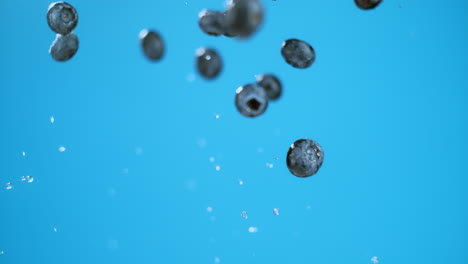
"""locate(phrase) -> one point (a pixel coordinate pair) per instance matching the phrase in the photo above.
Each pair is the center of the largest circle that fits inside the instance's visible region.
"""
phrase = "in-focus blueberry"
(305, 157)
(251, 100)
(209, 63)
(212, 22)
(298, 53)
(152, 44)
(243, 17)
(367, 4)
(271, 84)
(62, 17)
(64, 47)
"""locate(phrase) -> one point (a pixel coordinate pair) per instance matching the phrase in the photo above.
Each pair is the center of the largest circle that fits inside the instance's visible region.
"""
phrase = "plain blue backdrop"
(386, 99)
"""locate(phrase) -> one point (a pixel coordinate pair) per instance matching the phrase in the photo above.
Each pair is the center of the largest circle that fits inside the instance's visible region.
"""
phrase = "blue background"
(386, 99)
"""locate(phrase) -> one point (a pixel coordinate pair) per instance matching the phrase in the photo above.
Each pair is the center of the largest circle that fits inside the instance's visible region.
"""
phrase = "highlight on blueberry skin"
(298, 53)
(64, 47)
(212, 22)
(271, 84)
(243, 17)
(251, 100)
(304, 158)
(62, 17)
(152, 44)
(208, 63)
(367, 4)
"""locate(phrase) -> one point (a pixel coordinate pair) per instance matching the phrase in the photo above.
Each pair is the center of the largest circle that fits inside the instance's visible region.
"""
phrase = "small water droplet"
(9, 186)
(216, 116)
(276, 158)
(52, 119)
(269, 165)
(23, 153)
(308, 207)
(375, 259)
(244, 215)
(2, 252)
(62, 149)
(217, 168)
(23, 178)
(241, 182)
(217, 260)
(55, 229)
(29, 178)
(212, 159)
(276, 211)
(209, 209)
(253, 229)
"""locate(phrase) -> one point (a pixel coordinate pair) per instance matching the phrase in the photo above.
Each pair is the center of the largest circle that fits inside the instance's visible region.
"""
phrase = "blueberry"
(243, 17)
(64, 47)
(367, 4)
(62, 17)
(271, 84)
(212, 22)
(152, 44)
(298, 53)
(209, 63)
(305, 157)
(251, 100)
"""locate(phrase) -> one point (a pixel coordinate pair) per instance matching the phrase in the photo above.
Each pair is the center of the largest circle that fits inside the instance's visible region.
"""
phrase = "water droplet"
(217, 260)
(23, 153)
(23, 178)
(308, 207)
(55, 229)
(217, 168)
(269, 165)
(209, 209)
(244, 215)
(375, 259)
(216, 116)
(241, 182)
(212, 159)
(62, 149)
(29, 178)
(276, 211)
(2, 252)
(276, 158)
(52, 119)
(253, 229)
(9, 185)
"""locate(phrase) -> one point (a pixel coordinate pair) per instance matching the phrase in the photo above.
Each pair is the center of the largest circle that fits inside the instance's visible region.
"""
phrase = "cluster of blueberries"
(62, 19)
(241, 19)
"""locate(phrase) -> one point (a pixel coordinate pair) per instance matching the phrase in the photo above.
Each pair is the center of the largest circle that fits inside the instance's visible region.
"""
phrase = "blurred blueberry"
(64, 47)
(152, 44)
(367, 4)
(212, 22)
(62, 17)
(298, 53)
(243, 17)
(305, 157)
(271, 84)
(209, 63)
(251, 100)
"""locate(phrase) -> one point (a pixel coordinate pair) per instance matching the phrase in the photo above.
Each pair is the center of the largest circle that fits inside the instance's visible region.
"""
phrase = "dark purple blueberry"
(209, 63)
(298, 53)
(64, 47)
(304, 158)
(243, 17)
(271, 84)
(212, 22)
(152, 44)
(62, 17)
(367, 4)
(251, 100)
